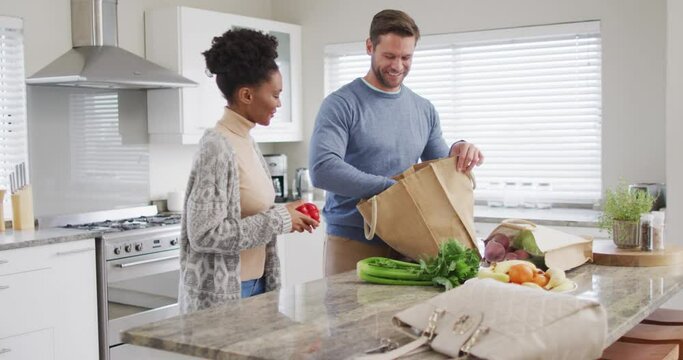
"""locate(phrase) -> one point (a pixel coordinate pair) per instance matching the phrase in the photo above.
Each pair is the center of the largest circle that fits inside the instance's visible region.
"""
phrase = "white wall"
(674, 128)
(633, 65)
(674, 123)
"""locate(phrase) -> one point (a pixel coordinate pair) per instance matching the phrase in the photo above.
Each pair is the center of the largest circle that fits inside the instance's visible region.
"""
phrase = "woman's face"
(266, 100)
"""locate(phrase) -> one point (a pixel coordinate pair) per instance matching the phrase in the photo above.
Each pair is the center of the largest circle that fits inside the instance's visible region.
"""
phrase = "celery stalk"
(386, 281)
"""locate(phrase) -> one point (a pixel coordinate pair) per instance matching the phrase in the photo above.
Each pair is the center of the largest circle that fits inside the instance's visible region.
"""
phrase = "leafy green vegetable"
(452, 266)
(526, 241)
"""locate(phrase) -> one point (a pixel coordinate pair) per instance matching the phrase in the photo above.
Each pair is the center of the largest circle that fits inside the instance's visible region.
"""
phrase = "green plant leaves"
(452, 265)
(622, 204)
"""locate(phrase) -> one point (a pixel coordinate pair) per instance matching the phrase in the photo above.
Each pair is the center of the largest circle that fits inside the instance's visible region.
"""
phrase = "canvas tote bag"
(430, 203)
(493, 320)
(560, 250)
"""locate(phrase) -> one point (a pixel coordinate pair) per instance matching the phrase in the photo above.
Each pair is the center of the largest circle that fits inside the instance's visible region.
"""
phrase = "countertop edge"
(42, 237)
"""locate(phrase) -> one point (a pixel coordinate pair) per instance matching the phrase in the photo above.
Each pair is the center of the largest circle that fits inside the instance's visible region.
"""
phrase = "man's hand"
(467, 154)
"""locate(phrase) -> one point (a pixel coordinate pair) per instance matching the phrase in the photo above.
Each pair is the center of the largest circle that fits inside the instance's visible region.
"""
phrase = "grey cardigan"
(213, 232)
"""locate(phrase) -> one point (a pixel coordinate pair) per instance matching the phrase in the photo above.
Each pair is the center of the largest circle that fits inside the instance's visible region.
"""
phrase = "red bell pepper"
(310, 210)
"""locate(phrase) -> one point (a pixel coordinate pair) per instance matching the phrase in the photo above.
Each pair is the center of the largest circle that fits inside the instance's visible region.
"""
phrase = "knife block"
(22, 209)
(2, 213)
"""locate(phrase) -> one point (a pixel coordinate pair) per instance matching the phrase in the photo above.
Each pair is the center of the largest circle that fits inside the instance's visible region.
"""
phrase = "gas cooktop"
(141, 222)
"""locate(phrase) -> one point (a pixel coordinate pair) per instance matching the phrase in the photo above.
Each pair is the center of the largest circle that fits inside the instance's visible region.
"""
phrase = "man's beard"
(383, 81)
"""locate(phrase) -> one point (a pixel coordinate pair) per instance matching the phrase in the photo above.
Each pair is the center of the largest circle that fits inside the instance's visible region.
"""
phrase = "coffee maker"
(277, 165)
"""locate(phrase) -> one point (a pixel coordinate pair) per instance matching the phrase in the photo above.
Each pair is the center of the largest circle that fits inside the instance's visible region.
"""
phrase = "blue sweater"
(361, 138)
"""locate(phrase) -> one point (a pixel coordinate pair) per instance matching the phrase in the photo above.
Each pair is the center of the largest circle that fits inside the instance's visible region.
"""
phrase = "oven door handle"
(148, 261)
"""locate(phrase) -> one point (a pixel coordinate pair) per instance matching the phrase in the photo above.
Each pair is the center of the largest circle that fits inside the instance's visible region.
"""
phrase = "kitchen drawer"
(34, 345)
(39, 257)
(24, 259)
(26, 302)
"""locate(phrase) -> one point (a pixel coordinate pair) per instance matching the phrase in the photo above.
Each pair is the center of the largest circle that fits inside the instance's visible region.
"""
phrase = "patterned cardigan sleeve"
(212, 208)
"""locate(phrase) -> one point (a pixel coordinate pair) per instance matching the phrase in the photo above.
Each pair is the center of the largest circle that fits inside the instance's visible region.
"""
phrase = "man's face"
(391, 59)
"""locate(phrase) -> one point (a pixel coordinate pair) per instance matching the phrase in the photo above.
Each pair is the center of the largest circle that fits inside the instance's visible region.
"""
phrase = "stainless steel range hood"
(97, 62)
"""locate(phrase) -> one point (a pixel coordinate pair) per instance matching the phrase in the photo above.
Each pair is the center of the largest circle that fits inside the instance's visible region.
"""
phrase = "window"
(13, 135)
(529, 97)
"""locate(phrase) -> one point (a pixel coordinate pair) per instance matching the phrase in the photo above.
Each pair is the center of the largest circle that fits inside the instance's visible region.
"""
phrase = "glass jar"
(543, 194)
(527, 195)
(496, 194)
(645, 232)
(512, 197)
(658, 230)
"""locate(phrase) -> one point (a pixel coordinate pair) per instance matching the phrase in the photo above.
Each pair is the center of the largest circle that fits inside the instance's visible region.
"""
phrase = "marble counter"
(10, 239)
(339, 317)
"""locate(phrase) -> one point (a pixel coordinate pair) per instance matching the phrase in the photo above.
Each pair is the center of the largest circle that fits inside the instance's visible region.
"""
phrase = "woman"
(230, 222)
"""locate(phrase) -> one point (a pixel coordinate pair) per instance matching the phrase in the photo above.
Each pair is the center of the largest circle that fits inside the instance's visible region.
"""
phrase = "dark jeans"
(253, 287)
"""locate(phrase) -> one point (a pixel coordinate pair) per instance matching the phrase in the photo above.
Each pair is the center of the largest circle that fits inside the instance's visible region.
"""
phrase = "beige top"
(256, 186)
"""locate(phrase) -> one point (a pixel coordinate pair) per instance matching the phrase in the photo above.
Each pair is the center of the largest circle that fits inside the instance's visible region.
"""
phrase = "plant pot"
(625, 234)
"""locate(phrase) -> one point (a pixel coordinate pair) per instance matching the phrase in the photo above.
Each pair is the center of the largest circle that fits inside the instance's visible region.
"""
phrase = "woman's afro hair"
(241, 57)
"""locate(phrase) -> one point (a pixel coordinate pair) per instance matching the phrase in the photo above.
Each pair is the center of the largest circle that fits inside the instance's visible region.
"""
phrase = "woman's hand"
(300, 222)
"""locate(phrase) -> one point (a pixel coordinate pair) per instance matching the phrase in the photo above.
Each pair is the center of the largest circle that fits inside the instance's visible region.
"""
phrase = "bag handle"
(517, 224)
(470, 175)
(370, 230)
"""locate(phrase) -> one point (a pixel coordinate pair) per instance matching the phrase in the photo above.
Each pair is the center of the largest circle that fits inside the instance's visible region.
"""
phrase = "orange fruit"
(540, 279)
(521, 273)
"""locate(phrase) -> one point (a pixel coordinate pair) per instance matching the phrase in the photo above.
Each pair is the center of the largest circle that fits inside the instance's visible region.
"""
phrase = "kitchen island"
(340, 316)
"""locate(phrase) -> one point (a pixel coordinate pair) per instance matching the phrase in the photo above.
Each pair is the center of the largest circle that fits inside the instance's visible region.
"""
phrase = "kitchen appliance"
(2, 210)
(95, 61)
(138, 269)
(175, 201)
(277, 165)
(657, 190)
(303, 185)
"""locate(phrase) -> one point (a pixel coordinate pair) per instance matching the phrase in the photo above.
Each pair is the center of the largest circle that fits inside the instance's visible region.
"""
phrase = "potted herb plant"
(621, 214)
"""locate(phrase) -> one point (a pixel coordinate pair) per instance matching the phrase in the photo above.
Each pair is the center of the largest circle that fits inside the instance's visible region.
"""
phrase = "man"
(369, 130)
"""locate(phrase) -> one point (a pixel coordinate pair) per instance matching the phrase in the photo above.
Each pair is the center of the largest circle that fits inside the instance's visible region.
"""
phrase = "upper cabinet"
(175, 37)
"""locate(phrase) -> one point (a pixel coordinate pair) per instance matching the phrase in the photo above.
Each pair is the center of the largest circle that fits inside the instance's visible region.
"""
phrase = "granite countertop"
(10, 239)
(549, 217)
(340, 317)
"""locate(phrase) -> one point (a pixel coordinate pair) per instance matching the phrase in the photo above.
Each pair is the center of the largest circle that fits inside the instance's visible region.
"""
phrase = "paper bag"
(430, 203)
(560, 249)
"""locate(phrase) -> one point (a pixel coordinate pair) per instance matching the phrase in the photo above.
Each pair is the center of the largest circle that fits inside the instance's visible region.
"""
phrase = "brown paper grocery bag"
(430, 203)
(560, 249)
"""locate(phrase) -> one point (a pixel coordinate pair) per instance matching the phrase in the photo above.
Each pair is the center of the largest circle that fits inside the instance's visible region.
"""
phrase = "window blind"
(13, 135)
(529, 98)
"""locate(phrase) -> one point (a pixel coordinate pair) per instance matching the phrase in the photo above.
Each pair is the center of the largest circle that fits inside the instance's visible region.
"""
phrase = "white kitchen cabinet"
(175, 37)
(301, 255)
(32, 345)
(48, 299)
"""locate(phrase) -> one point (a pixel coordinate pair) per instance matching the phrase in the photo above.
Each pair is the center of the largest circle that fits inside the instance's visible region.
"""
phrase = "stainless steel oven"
(141, 282)
(137, 268)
